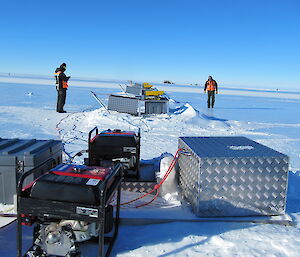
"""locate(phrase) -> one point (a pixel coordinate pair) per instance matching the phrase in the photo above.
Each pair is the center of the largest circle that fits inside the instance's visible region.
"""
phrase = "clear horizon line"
(111, 80)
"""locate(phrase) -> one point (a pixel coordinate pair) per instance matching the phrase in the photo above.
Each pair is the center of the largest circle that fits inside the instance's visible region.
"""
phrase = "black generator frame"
(66, 210)
(126, 178)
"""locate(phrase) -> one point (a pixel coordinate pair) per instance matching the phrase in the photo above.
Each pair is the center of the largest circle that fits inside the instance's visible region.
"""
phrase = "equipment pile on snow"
(139, 99)
(70, 204)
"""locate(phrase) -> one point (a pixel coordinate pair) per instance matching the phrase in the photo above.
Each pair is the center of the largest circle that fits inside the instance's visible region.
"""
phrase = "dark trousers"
(210, 99)
(61, 99)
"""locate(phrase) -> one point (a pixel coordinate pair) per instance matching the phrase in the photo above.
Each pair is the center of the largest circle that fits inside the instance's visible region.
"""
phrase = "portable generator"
(116, 145)
(69, 205)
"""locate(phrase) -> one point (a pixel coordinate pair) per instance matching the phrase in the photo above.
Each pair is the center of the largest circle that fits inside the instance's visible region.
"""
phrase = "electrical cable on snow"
(157, 186)
(140, 119)
(64, 142)
(71, 158)
(74, 138)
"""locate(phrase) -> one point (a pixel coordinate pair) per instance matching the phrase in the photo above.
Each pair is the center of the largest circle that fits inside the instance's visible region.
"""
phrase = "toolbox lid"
(30, 151)
(213, 147)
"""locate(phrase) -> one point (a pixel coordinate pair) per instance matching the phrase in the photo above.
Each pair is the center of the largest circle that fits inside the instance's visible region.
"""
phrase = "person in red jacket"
(61, 87)
(211, 87)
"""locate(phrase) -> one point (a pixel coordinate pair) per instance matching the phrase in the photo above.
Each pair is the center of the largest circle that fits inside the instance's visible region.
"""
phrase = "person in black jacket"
(211, 87)
(61, 87)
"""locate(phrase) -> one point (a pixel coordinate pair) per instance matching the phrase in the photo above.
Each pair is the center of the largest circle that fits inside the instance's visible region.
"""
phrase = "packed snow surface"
(271, 118)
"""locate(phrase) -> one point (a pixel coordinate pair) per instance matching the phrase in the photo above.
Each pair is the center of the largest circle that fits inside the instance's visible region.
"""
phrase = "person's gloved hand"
(216, 92)
(204, 91)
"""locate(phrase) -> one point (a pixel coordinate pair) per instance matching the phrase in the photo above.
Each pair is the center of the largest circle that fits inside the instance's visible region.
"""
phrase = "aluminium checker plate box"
(232, 176)
(123, 104)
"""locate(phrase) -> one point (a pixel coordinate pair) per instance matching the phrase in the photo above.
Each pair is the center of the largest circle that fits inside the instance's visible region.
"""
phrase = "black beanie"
(63, 65)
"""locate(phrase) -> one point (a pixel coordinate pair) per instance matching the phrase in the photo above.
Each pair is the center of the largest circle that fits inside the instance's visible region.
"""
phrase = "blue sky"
(240, 43)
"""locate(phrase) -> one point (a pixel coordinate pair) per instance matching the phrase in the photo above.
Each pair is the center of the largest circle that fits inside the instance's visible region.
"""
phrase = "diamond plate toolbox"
(123, 104)
(232, 176)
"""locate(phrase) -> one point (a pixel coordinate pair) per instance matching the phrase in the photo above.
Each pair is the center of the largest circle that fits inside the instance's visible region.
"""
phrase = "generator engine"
(68, 205)
(116, 145)
(61, 238)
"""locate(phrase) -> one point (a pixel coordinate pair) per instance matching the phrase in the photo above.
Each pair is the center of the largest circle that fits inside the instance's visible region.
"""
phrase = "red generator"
(68, 206)
(117, 146)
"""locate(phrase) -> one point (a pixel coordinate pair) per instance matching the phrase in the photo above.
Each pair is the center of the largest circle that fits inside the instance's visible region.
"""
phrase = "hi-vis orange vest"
(64, 83)
(211, 85)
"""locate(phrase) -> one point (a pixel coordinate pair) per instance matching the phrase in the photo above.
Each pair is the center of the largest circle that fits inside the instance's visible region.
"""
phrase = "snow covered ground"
(266, 116)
